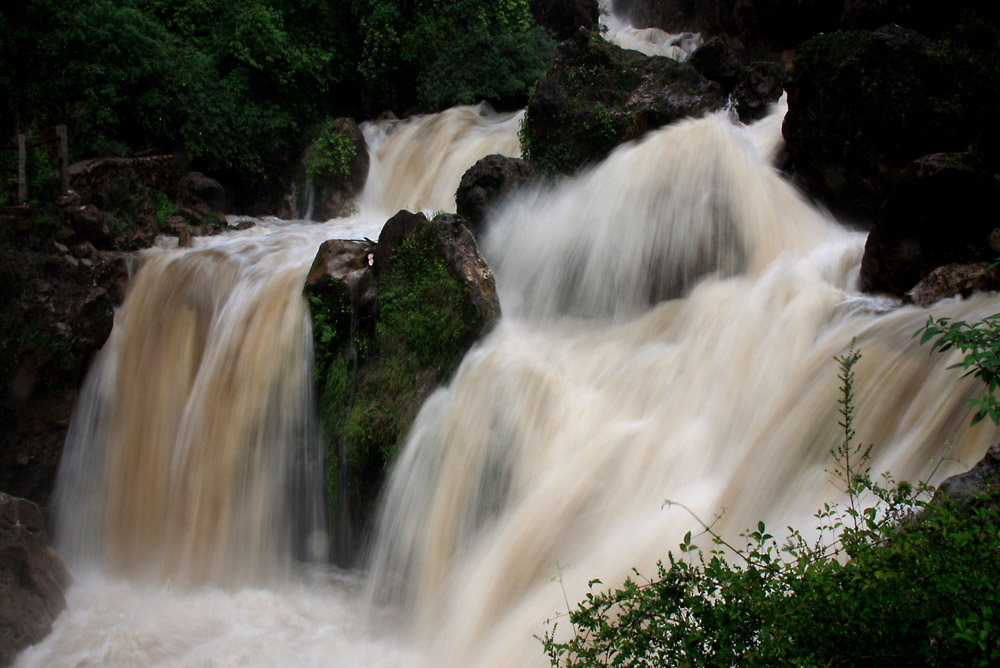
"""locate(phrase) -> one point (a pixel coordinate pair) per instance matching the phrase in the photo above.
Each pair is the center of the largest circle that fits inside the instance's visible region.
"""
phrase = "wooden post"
(22, 171)
(63, 159)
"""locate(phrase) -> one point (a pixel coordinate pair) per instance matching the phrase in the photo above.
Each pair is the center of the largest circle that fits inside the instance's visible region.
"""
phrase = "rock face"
(598, 95)
(487, 182)
(32, 578)
(863, 105)
(390, 324)
(124, 203)
(936, 215)
(54, 314)
(336, 165)
(753, 87)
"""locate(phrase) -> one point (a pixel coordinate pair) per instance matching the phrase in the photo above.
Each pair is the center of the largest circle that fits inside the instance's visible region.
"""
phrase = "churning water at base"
(671, 319)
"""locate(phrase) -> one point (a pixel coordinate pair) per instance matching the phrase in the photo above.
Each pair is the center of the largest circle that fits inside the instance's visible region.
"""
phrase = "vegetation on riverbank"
(236, 86)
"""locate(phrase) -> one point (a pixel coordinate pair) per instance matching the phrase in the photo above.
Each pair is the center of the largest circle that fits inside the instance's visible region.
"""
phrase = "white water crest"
(671, 321)
(650, 41)
(418, 163)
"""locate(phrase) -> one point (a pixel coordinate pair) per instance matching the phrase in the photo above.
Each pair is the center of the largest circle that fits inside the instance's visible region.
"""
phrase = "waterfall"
(671, 322)
(671, 319)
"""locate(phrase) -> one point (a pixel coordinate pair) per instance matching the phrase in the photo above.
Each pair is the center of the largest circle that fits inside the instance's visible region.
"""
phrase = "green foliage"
(980, 342)
(443, 52)
(880, 586)
(334, 150)
(164, 206)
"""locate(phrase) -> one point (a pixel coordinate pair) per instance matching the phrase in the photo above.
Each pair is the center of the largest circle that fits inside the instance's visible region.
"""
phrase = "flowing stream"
(671, 319)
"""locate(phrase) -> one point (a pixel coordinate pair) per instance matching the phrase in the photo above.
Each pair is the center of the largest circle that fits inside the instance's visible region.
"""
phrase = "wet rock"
(760, 87)
(862, 105)
(936, 215)
(32, 578)
(598, 95)
(955, 280)
(390, 324)
(487, 182)
(752, 88)
(715, 60)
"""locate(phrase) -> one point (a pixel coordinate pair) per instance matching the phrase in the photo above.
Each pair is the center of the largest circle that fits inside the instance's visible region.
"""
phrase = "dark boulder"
(934, 216)
(862, 105)
(761, 86)
(487, 182)
(390, 324)
(598, 95)
(201, 193)
(978, 485)
(563, 17)
(953, 280)
(32, 578)
(752, 88)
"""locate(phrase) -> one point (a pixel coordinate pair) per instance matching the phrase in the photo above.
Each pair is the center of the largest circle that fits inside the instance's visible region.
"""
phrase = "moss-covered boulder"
(391, 322)
(598, 95)
(862, 105)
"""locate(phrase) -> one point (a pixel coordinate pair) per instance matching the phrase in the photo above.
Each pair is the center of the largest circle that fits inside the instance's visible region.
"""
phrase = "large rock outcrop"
(863, 105)
(937, 214)
(391, 321)
(598, 95)
(55, 312)
(33, 578)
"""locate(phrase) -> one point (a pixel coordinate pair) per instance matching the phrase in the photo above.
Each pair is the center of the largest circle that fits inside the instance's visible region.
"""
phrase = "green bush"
(334, 150)
(882, 585)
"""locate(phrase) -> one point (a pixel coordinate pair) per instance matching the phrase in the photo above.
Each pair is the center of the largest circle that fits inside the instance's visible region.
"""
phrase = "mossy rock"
(380, 353)
(598, 95)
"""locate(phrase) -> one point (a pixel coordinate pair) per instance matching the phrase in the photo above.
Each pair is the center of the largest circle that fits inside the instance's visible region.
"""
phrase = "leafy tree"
(443, 52)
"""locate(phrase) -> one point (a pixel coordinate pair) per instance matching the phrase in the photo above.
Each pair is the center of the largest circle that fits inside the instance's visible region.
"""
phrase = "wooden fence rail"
(61, 138)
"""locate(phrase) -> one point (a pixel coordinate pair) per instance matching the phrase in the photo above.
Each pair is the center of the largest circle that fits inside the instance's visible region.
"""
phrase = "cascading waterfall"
(671, 318)
(553, 450)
